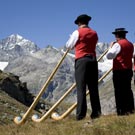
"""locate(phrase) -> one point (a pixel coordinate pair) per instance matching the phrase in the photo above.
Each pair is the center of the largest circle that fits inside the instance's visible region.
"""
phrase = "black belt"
(93, 58)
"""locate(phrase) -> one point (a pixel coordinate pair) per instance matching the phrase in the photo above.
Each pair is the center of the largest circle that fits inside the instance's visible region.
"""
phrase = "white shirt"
(113, 51)
(72, 40)
(134, 51)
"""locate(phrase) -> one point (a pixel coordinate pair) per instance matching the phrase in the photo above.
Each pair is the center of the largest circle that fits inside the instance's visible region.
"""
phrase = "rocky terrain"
(15, 98)
(11, 84)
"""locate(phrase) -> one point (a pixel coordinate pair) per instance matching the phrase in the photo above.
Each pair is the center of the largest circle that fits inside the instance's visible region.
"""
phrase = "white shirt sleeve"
(134, 52)
(113, 52)
(72, 40)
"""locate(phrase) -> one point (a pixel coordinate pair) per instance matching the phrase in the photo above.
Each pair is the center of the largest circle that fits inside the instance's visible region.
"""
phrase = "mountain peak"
(16, 36)
(17, 45)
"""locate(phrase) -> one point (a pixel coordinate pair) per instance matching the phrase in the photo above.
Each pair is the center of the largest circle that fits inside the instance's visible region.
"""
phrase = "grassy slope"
(106, 125)
(9, 107)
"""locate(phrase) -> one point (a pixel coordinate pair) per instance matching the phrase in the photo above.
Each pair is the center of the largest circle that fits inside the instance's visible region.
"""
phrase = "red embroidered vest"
(86, 43)
(124, 59)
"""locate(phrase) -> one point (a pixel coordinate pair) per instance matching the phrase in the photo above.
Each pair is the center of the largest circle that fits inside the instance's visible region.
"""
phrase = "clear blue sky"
(49, 22)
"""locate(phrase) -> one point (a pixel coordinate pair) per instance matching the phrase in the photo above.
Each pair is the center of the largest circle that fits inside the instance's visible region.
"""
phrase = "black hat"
(119, 30)
(82, 18)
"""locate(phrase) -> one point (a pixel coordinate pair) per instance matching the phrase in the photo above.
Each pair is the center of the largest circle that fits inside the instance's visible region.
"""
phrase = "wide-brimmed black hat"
(119, 30)
(82, 18)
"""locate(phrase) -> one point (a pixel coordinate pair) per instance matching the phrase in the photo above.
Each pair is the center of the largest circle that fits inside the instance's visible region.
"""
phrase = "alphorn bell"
(36, 118)
(20, 120)
(56, 116)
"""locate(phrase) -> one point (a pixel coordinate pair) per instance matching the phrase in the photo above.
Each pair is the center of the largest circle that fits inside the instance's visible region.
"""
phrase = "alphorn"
(36, 118)
(20, 120)
(56, 116)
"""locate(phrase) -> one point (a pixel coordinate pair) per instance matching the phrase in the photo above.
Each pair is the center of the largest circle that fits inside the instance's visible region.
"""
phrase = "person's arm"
(72, 40)
(133, 61)
(113, 51)
(134, 51)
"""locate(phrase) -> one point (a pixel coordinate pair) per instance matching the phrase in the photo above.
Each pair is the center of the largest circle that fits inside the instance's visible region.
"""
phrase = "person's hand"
(112, 43)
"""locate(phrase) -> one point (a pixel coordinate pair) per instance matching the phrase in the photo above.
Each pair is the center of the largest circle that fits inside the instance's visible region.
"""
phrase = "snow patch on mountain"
(3, 65)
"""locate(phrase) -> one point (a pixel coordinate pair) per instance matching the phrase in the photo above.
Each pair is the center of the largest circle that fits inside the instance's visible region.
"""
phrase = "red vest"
(124, 59)
(86, 43)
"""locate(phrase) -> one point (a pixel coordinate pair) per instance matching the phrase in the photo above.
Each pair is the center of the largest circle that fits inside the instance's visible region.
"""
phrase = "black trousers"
(86, 74)
(123, 92)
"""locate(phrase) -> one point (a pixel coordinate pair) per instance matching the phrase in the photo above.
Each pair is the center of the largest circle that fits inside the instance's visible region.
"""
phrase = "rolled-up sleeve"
(72, 40)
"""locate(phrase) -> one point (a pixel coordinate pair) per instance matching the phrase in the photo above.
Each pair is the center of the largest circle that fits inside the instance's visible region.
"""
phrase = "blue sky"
(49, 22)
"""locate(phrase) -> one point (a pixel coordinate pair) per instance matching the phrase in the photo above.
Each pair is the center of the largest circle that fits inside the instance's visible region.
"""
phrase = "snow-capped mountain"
(15, 46)
(34, 65)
